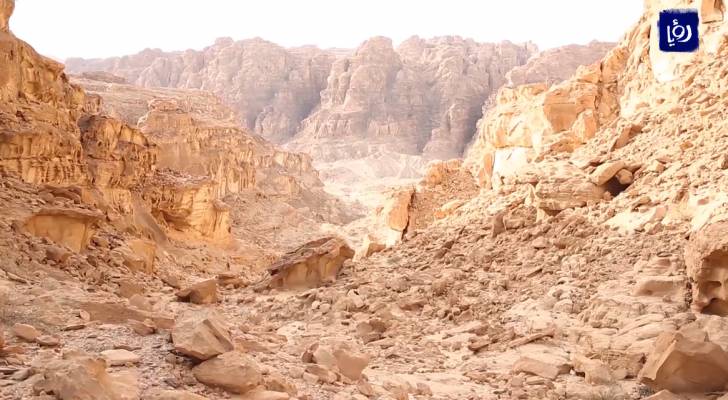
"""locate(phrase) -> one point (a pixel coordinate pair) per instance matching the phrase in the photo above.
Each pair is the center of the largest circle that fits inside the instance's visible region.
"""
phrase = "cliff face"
(555, 65)
(272, 89)
(153, 164)
(422, 98)
(205, 156)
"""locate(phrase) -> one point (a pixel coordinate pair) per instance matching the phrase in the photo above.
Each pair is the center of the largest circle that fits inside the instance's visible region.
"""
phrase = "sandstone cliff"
(272, 89)
(423, 97)
(275, 89)
(555, 65)
(594, 267)
(205, 157)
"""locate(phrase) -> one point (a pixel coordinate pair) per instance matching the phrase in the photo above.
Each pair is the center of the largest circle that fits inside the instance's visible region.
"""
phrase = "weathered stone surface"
(538, 367)
(282, 86)
(396, 210)
(706, 257)
(25, 332)
(172, 395)
(432, 104)
(555, 65)
(119, 357)
(370, 245)
(201, 334)
(232, 371)
(310, 265)
(350, 363)
(686, 364)
(663, 395)
(81, 377)
(595, 371)
(535, 119)
(72, 228)
(566, 187)
(204, 292)
(606, 171)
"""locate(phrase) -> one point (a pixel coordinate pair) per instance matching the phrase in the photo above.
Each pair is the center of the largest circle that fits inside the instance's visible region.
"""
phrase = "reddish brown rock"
(204, 292)
(201, 334)
(683, 364)
(233, 371)
(310, 265)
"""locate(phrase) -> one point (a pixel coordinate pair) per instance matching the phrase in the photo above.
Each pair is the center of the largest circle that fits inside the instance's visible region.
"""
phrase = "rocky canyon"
(434, 219)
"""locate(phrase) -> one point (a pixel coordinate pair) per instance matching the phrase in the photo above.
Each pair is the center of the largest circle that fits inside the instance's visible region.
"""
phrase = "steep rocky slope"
(557, 64)
(200, 138)
(591, 269)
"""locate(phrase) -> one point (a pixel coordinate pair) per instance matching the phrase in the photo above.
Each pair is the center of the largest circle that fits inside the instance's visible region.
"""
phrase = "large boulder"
(706, 257)
(79, 376)
(396, 210)
(204, 292)
(201, 334)
(562, 186)
(310, 265)
(232, 371)
(684, 363)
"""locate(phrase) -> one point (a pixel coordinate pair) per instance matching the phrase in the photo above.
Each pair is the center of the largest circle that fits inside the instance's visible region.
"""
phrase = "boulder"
(369, 246)
(396, 210)
(540, 368)
(26, 332)
(350, 363)
(72, 228)
(686, 364)
(204, 292)
(201, 334)
(562, 186)
(119, 357)
(233, 371)
(79, 376)
(706, 257)
(338, 358)
(172, 395)
(595, 371)
(6, 10)
(606, 171)
(310, 265)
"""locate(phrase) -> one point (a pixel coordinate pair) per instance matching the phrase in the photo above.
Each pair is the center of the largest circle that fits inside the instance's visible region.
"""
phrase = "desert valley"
(435, 219)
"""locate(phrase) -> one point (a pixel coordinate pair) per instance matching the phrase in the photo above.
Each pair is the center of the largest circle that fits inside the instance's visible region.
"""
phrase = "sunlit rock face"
(706, 257)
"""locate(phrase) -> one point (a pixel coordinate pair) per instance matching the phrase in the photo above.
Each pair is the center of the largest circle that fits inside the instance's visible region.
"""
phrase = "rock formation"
(557, 64)
(311, 265)
(276, 89)
(384, 98)
(273, 89)
(583, 258)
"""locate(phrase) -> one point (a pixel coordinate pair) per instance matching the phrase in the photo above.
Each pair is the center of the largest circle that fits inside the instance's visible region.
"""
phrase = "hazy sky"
(103, 28)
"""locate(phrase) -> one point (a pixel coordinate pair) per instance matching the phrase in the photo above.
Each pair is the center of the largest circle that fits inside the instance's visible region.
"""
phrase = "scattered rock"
(201, 334)
(119, 357)
(310, 265)
(232, 371)
(26, 332)
(683, 364)
(82, 377)
(204, 292)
